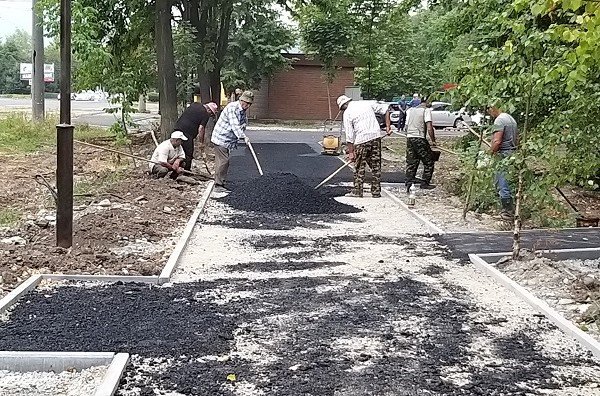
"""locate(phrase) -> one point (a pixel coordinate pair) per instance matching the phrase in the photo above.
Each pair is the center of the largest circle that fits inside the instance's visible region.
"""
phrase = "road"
(84, 112)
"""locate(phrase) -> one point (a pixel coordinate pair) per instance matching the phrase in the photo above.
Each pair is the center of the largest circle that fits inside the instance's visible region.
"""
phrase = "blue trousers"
(502, 185)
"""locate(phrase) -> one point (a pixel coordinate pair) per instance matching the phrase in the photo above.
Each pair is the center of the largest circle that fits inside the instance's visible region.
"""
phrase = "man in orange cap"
(192, 123)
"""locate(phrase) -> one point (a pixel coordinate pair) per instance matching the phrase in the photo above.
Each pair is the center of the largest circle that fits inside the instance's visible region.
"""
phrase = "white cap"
(342, 100)
(178, 135)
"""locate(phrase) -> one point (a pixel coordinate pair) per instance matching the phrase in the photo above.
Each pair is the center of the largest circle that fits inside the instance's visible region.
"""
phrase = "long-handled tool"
(137, 157)
(338, 170)
(255, 158)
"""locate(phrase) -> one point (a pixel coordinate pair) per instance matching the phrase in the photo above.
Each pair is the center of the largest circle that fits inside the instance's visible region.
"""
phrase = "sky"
(14, 15)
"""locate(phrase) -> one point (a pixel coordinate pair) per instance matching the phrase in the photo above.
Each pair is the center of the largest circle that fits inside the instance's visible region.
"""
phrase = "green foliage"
(187, 53)
(326, 32)
(255, 46)
(15, 49)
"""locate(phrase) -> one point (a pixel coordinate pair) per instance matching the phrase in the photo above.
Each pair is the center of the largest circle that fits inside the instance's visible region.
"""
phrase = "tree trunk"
(329, 100)
(166, 68)
(215, 86)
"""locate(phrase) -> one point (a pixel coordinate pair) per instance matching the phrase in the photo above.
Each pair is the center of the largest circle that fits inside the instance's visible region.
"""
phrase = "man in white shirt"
(363, 138)
(169, 157)
(418, 123)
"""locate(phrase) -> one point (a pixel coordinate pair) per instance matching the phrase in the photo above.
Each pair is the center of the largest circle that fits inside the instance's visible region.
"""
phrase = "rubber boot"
(508, 211)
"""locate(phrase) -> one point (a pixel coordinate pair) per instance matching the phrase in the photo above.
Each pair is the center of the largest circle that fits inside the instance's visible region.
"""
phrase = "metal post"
(37, 60)
(64, 186)
(64, 134)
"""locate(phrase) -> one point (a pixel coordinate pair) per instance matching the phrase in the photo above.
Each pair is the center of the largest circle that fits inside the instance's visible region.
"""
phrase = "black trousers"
(188, 149)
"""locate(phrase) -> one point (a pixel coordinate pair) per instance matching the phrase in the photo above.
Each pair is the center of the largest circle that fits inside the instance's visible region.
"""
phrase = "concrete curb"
(11, 298)
(52, 361)
(102, 278)
(432, 228)
(560, 321)
(111, 380)
(555, 254)
(171, 265)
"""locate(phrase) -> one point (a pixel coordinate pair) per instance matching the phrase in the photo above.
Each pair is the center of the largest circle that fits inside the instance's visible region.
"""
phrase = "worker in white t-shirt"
(169, 157)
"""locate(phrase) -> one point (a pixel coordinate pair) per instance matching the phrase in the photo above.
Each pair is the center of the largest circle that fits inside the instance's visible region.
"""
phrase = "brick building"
(300, 93)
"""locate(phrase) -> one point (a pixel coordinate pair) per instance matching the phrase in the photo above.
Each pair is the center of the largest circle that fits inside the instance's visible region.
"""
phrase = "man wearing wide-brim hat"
(230, 127)
(363, 139)
(192, 122)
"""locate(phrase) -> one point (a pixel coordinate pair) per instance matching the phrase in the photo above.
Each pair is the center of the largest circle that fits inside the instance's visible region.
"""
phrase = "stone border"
(173, 260)
(61, 361)
(433, 229)
(560, 321)
(554, 254)
(11, 298)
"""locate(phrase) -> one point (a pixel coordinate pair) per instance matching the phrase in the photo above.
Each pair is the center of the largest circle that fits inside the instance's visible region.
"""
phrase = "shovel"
(338, 170)
(255, 158)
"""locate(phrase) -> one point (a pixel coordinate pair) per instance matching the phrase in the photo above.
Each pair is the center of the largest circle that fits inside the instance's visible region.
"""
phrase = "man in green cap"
(230, 127)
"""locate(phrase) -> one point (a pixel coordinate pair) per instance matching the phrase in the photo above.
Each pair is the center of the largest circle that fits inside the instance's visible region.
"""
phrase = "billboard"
(26, 71)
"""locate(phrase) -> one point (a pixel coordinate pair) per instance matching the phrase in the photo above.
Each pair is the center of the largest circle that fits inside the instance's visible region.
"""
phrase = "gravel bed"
(572, 287)
(66, 383)
(364, 304)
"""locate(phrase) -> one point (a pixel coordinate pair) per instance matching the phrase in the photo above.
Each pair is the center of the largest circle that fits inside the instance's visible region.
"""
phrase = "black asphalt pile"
(308, 350)
(283, 193)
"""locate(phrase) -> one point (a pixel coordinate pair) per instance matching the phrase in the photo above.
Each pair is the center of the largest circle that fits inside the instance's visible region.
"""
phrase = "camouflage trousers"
(368, 153)
(417, 150)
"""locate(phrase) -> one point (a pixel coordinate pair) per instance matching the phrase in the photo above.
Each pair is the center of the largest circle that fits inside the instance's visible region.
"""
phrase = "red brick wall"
(301, 94)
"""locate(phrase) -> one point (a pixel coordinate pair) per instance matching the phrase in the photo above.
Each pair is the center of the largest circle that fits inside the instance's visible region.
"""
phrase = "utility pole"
(64, 136)
(37, 63)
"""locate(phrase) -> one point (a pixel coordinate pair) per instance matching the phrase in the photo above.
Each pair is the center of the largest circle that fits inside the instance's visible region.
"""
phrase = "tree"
(326, 32)
(167, 88)
(15, 49)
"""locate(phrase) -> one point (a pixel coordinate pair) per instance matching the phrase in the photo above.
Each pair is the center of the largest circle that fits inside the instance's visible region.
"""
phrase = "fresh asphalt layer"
(463, 243)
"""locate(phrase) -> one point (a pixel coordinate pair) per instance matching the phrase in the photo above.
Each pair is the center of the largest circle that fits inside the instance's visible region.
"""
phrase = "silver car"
(444, 116)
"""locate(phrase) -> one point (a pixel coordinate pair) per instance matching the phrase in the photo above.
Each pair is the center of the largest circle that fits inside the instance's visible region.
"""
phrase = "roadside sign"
(26, 71)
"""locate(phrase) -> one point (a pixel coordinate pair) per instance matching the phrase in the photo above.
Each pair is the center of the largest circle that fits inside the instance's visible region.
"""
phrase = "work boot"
(427, 186)
(353, 194)
(508, 210)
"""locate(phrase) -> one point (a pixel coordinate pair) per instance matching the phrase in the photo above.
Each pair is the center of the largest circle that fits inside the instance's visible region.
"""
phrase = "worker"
(192, 123)
(505, 136)
(168, 157)
(418, 149)
(230, 127)
(363, 139)
(415, 101)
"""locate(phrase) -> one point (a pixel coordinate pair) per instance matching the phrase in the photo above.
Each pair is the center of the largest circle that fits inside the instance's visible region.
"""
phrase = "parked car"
(444, 116)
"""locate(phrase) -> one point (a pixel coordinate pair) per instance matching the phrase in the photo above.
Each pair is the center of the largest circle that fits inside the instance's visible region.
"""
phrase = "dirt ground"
(125, 222)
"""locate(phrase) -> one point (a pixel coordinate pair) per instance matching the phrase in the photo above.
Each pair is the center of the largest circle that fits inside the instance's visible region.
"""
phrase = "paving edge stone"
(11, 298)
(553, 254)
(102, 278)
(560, 321)
(169, 268)
(113, 375)
(52, 361)
(432, 228)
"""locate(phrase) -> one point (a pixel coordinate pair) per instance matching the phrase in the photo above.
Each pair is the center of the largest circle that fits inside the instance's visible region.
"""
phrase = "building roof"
(310, 60)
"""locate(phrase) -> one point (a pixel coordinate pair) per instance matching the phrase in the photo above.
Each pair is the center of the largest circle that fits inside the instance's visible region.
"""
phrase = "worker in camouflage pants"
(417, 150)
(418, 124)
(368, 153)
(363, 143)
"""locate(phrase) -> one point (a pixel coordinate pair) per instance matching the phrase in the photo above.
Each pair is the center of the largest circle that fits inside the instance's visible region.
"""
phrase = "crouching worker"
(168, 157)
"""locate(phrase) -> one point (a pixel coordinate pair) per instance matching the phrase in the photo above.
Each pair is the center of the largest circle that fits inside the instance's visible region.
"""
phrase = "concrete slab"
(171, 265)
(52, 361)
(560, 321)
(11, 298)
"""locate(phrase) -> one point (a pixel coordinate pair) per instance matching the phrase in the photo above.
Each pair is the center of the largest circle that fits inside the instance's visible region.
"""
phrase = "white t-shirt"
(165, 152)
(360, 123)
(416, 118)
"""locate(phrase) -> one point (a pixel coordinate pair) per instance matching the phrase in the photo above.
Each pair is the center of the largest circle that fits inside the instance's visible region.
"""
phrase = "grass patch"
(9, 217)
(20, 134)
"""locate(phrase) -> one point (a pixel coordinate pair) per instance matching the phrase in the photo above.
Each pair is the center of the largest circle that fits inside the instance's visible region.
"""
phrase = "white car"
(443, 116)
